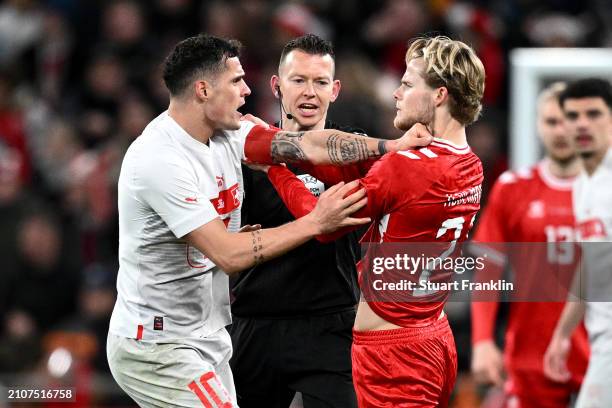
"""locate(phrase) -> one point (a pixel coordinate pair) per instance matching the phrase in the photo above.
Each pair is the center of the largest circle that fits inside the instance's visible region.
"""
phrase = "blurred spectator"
(45, 283)
(96, 299)
(21, 26)
(392, 26)
(14, 202)
(125, 34)
(98, 103)
(480, 28)
(40, 292)
(52, 57)
(485, 139)
(12, 132)
(358, 102)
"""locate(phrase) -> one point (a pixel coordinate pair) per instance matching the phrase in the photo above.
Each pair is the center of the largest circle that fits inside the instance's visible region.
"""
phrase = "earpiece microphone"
(282, 108)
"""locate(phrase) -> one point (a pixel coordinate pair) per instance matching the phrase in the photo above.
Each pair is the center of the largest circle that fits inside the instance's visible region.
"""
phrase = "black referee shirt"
(310, 280)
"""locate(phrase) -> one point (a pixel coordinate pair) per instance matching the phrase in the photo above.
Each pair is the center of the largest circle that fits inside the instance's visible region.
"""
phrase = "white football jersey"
(592, 196)
(171, 184)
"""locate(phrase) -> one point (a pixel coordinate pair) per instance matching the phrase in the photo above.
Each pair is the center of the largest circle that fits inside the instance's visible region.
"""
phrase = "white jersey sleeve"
(171, 188)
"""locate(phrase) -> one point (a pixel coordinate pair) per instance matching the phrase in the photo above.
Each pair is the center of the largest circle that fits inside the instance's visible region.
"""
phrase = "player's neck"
(447, 128)
(190, 120)
(564, 169)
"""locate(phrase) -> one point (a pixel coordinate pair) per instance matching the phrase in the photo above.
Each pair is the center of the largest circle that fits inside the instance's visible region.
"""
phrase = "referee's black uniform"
(293, 315)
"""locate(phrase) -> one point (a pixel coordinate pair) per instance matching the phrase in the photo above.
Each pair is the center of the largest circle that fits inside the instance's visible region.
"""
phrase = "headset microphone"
(282, 108)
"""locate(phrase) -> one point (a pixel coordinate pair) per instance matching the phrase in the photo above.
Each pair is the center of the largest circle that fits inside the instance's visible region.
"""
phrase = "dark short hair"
(310, 44)
(199, 56)
(588, 88)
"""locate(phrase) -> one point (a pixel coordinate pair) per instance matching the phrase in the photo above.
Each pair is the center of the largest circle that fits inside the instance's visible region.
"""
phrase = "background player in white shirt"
(180, 193)
(587, 105)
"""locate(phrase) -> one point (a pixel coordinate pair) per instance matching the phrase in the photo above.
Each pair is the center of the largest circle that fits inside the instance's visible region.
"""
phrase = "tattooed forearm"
(257, 247)
(344, 149)
(283, 151)
(290, 136)
(286, 147)
(326, 146)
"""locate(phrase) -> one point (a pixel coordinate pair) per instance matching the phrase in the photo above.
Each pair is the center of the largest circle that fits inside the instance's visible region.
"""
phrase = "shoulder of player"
(155, 155)
(517, 177)
(429, 157)
(422, 163)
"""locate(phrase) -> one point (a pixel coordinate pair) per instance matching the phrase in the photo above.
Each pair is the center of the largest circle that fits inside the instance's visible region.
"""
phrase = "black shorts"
(273, 359)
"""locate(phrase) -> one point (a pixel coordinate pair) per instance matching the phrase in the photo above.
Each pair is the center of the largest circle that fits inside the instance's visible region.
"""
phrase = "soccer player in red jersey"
(403, 352)
(534, 205)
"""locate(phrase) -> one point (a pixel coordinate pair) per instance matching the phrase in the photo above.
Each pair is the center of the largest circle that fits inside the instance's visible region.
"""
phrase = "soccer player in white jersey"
(180, 192)
(587, 105)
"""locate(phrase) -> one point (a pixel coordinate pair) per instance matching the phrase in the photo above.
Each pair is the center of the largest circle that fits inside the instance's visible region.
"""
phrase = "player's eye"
(593, 114)
(571, 116)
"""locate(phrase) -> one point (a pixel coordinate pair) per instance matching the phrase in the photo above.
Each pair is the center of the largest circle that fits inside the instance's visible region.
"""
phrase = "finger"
(354, 197)
(254, 119)
(355, 207)
(495, 375)
(423, 140)
(350, 222)
(557, 370)
(333, 189)
(249, 228)
(349, 187)
(481, 377)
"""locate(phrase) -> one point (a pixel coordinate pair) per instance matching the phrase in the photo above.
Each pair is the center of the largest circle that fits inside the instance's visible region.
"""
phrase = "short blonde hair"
(454, 65)
(551, 93)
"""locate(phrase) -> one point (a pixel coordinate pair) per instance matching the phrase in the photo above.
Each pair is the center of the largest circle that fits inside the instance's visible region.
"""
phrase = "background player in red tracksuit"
(403, 352)
(531, 206)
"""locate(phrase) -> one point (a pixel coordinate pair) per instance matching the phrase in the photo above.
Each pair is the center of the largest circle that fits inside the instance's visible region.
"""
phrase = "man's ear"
(440, 96)
(336, 85)
(202, 90)
(275, 85)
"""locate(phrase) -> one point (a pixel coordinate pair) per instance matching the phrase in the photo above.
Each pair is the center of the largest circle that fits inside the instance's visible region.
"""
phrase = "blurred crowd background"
(79, 80)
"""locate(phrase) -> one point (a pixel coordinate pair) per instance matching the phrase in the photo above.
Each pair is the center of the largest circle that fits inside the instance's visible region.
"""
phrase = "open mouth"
(308, 109)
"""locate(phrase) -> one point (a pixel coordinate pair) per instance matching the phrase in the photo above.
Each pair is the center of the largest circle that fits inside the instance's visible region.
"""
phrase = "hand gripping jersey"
(170, 184)
(530, 206)
(425, 195)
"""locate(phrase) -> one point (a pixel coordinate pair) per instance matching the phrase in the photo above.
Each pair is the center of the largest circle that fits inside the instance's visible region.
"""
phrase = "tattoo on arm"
(286, 147)
(382, 149)
(346, 149)
(257, 247)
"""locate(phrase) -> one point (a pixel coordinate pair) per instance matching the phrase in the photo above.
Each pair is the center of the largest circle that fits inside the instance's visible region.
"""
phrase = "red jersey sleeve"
(330, 174)
(298, 199)
(491, 229)
(257, 145)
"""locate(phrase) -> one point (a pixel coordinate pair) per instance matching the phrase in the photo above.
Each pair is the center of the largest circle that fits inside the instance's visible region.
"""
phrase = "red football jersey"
(426, 195)
(530, 206)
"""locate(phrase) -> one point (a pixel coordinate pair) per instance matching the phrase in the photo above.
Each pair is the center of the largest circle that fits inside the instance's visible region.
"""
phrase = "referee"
(293, 316)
